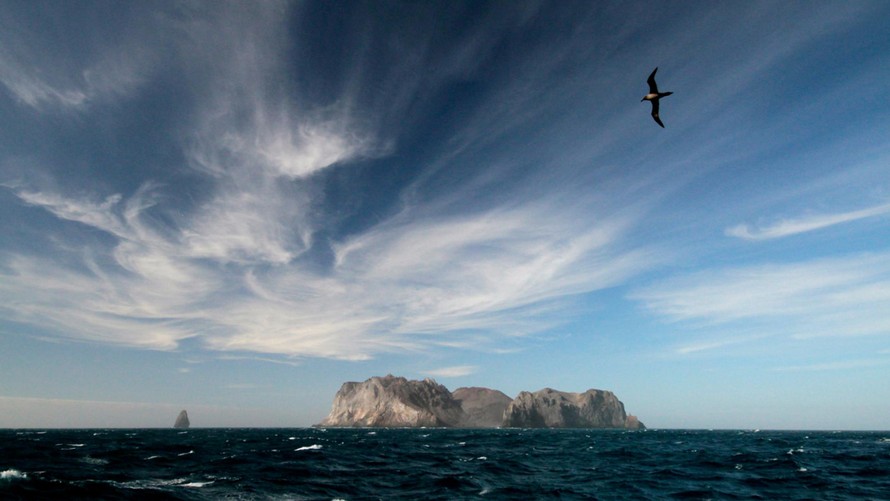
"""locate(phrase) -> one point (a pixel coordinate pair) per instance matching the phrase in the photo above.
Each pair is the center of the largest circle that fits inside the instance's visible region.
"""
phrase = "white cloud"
(233, 270)
(456, 371)
(407, 284)
(788, 227)
(826, 297)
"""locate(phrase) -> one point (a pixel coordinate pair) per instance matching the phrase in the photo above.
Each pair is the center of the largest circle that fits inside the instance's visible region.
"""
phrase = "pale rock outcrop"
(549, 408)
(393, 402)
(483, 407)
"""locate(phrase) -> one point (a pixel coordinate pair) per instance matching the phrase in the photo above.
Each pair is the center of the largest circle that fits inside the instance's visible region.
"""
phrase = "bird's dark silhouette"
(653, 96)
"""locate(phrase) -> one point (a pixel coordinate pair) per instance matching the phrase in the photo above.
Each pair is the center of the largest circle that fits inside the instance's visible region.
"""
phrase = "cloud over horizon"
(828, 297)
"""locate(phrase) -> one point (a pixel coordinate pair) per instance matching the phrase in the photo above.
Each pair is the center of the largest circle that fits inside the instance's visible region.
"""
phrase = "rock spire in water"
(182, 421)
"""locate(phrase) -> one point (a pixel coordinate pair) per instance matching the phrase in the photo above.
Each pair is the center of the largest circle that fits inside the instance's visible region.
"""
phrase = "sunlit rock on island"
(396, 402)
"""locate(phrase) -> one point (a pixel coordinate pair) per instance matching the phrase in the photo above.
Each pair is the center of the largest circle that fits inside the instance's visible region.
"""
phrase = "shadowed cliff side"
(483, 407)
(549, 408)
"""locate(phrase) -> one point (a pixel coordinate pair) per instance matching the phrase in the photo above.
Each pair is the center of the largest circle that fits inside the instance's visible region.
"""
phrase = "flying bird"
(653, 96)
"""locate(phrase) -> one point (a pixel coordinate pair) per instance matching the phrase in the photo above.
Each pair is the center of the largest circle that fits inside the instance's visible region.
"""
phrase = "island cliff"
(549, 408)
(399, 403)
(394, 402)
(482, 407)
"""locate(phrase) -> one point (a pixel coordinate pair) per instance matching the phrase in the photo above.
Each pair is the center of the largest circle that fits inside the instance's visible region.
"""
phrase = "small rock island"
(182, 421)
(396, 402)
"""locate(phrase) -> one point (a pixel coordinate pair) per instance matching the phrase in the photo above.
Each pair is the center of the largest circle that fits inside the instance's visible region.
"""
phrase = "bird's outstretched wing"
(653, 89)
(655, 113)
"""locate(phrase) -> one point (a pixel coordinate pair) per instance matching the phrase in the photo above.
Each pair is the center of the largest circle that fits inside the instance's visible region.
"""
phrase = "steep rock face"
(483, 407)
(182, 420)
(549, 408)
(394, 402)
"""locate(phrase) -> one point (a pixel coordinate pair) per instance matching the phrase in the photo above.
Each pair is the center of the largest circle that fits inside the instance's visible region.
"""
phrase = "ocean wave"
(414, 464)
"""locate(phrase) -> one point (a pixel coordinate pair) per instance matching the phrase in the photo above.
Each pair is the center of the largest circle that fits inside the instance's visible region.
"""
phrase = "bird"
(653, 96)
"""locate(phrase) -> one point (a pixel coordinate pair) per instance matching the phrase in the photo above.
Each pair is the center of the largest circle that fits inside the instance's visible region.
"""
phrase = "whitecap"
(92, 460)
(482, 458)
(149, 458)
(186, 453)
(313, 447)
(12, 475)
(153, 483)
(291, 438)
(196, 485)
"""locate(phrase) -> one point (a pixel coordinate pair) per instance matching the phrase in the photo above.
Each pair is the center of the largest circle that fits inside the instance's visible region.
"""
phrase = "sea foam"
(12, 475)
(313, 447)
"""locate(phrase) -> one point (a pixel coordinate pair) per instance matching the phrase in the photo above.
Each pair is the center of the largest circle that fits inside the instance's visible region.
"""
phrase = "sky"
(235, 207)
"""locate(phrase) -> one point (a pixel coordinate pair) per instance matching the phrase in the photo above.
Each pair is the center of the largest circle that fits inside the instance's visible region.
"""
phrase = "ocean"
(366, 464)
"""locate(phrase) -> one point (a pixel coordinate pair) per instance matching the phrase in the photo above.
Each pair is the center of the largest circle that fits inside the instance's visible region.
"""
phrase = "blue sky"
(235, 207)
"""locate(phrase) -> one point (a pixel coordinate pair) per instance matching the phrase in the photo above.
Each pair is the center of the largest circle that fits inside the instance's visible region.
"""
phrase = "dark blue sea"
(360, 464)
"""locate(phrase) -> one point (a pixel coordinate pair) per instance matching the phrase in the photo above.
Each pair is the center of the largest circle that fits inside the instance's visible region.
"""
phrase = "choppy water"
(355, 464)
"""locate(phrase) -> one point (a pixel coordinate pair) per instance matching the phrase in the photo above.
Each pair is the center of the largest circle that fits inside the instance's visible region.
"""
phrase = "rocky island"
(397, 402)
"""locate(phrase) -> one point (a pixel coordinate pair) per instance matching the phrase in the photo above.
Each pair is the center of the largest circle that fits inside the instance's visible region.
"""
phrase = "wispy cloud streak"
(239, 268)
(74, 75)
(456, 371)
(788, 227)
(828, 297)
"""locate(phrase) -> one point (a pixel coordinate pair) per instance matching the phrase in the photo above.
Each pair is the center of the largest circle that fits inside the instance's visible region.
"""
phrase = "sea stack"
(182, 421)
